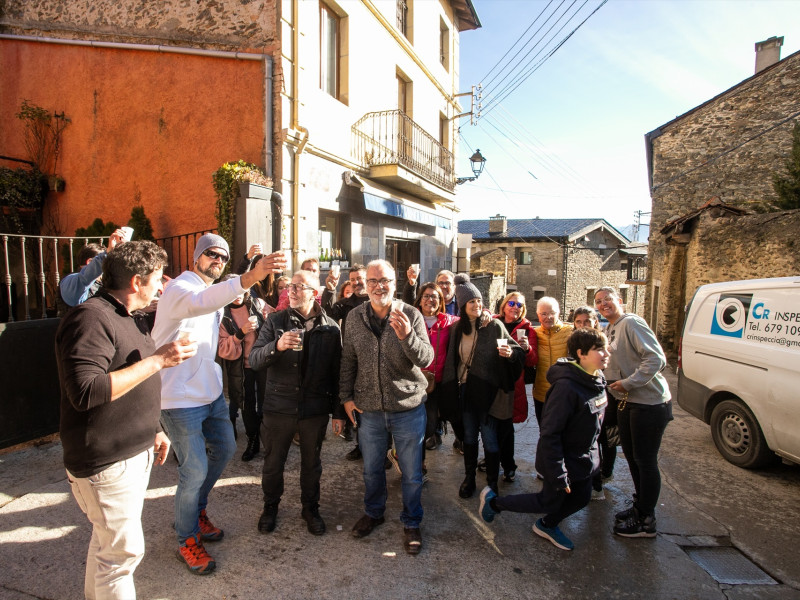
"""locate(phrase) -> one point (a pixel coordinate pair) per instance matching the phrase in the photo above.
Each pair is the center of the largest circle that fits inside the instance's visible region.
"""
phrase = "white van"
(739, 367)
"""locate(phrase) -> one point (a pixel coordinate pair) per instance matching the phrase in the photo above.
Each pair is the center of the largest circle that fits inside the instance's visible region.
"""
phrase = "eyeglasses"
(515, 304)
(444, 283)
(216, 255)
(545, 314)
(383, 282)
(430, 297)
(298, 287)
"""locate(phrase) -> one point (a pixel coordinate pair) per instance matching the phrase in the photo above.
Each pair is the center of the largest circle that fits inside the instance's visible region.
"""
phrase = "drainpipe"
(297, 127)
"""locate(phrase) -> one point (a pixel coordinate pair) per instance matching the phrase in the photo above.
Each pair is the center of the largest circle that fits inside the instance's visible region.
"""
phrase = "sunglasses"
(515, 304)
(216, 255)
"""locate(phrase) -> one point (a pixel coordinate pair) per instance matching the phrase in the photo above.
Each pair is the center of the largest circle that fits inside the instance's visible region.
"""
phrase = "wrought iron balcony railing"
(390, 137)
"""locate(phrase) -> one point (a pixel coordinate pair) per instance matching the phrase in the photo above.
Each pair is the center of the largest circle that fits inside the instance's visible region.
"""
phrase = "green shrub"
(226, 182)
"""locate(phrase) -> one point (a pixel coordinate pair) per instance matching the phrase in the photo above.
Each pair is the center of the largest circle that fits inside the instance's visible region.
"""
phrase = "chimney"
(497, 224)
(768, 52)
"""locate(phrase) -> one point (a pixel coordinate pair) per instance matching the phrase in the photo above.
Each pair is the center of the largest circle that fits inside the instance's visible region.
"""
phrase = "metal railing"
(34, 264)
(179, 249)
(32, 273)
(391, 137)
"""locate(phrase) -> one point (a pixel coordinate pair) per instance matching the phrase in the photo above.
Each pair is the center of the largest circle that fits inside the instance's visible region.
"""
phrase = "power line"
(487, 84)
(515, 43)
(494, 102)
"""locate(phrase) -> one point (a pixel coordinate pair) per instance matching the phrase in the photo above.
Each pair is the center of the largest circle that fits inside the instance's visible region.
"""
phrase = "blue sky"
(569, 141)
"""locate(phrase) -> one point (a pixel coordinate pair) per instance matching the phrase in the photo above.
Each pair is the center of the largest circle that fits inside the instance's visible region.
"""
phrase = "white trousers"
(112, 500)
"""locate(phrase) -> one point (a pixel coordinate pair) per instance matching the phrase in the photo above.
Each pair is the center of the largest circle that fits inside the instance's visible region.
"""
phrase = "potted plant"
(228, 183)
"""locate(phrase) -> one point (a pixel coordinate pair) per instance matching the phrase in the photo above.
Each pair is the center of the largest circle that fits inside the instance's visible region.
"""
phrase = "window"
(623, 294)
(590, 292)
(402, 16)
(329, 39)
(334, 233)
(524, 256)
(444, 44)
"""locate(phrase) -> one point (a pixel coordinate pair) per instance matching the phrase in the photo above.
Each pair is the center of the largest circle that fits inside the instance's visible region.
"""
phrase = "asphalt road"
(705, 502)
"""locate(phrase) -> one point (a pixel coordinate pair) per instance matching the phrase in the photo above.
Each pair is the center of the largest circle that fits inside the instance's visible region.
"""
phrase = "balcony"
(402, 154)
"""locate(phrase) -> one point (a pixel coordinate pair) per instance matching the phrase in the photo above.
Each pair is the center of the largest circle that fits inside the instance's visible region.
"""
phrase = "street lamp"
(476, 161)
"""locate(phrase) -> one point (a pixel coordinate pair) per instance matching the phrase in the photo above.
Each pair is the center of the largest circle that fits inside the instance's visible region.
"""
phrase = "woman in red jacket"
(512, 314)
(430, 302)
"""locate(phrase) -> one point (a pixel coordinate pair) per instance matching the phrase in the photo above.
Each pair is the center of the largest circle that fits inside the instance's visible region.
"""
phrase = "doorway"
(402, 254)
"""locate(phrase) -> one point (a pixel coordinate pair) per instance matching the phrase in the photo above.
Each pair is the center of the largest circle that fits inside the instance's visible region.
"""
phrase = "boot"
(252, 448)
(470, 465)
(492, 469)
(267, 521)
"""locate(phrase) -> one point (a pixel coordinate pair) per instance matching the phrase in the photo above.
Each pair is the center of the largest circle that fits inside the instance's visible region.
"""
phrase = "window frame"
(326, 16)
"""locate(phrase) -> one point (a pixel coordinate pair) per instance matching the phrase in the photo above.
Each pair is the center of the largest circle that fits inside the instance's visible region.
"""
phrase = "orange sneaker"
(197, 560)
(209, 533)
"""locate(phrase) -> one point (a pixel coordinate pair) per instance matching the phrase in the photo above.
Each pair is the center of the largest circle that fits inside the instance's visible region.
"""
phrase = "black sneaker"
(637, 526)
(626, 514)
(510, 475)
(354, 454)
(430, 443)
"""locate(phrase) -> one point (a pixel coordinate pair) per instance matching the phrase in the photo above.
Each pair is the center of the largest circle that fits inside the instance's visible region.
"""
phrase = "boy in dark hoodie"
(567, 454)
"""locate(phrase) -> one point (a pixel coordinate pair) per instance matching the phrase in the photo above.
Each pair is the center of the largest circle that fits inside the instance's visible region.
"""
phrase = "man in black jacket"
(302, 348)
(110, 409)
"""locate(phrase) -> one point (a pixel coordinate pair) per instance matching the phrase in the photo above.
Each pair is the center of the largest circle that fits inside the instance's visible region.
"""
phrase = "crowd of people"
(391, 371)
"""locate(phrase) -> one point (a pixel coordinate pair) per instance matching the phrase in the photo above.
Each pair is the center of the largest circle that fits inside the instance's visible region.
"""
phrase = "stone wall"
(728, 147)
(726, 249)
(215, 23)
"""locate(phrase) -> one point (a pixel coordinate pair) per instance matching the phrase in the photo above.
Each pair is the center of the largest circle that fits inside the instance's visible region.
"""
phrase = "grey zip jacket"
(384, 374)
(637, 360)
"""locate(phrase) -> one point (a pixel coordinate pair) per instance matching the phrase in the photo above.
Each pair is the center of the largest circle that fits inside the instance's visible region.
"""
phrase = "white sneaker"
(598, 494)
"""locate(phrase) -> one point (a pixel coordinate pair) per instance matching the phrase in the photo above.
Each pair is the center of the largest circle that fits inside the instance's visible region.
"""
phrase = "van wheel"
(737, 435)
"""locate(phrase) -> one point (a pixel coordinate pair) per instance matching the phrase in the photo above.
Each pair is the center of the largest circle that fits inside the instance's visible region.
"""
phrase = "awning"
(380, 200)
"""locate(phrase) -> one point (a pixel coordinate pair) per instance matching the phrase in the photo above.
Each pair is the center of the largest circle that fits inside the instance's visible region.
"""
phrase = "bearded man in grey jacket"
(382, 389)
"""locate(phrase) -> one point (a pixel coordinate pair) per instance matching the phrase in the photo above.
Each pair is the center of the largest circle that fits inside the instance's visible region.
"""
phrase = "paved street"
(706, 501)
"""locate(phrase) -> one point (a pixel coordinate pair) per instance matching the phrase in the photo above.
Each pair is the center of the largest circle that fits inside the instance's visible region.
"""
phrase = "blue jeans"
(191, 431)
(484, 423)
(408, 430)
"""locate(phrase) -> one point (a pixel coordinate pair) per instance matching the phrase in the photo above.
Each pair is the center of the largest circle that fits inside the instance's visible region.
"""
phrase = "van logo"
(730, 315)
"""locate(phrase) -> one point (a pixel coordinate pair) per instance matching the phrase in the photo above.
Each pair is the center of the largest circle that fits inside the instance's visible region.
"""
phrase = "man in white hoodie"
(192, 403)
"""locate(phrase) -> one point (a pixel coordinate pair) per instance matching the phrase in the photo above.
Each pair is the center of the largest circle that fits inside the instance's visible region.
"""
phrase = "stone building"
(567, 259)
(713, 203)
(350, 106)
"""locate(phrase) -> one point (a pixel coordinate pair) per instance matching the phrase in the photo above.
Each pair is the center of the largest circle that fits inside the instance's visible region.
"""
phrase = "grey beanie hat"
(210, 240)
(465, 290)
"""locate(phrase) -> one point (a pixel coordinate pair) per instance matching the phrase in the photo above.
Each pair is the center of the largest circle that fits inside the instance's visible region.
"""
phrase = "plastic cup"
(521, 335)
(299, 347)
(502, 342)
(253, 319)
(335, 271)
(415, 266)
(128, 232)
(186, 334)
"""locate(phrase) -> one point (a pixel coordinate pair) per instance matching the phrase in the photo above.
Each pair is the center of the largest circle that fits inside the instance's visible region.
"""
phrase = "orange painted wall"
(157, 124)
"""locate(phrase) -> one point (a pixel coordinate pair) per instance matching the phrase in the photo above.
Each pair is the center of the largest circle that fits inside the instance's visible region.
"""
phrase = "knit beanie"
(465, 291)
(210, 240)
